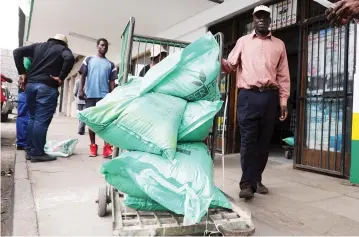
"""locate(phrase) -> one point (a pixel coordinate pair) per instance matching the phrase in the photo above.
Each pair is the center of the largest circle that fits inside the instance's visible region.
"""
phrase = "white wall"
(356, 80)
(208, 17)
(193, 35)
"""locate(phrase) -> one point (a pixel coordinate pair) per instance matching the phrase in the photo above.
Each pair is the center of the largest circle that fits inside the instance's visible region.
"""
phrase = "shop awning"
(84, 21)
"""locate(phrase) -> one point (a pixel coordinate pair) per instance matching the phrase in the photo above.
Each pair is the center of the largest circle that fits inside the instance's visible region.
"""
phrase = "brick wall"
(7, 67)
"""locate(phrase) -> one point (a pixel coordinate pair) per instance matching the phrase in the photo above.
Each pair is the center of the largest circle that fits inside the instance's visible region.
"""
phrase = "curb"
(25, 217)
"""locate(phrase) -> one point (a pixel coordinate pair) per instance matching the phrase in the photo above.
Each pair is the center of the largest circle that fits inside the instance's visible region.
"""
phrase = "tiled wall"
(354, 168)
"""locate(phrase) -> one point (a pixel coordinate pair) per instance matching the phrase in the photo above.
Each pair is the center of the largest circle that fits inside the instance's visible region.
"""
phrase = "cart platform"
(129, 222)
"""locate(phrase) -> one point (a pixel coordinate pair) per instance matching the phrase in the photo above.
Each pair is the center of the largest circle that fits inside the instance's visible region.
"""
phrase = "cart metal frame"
(235, 222)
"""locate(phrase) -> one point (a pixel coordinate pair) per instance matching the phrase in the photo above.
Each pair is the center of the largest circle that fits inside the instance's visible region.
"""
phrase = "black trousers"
(257, 113)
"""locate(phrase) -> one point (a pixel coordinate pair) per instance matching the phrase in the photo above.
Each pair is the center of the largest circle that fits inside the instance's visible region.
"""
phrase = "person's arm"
(20, 53)
(142, 72)
(67, 65)
(75, 91)
(83, 73)
(5, 79)
(231, 64)
(113, 77)
(283, 79)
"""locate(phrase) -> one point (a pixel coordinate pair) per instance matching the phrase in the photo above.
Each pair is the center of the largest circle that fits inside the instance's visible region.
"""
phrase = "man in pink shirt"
(260, 61)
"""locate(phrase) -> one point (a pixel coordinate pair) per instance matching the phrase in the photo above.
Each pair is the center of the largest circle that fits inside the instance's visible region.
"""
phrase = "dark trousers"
(22, 120)
(257, 113)
(42, 102)
(82, 125)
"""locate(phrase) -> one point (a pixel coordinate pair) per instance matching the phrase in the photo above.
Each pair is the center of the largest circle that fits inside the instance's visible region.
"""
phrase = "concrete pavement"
(58, 198)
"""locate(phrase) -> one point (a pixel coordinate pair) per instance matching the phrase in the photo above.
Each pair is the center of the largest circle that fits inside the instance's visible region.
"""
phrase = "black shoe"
(81, 133)
(247, 192)
(20, 148)
(42, 158)
(261, 189)
(28, 157)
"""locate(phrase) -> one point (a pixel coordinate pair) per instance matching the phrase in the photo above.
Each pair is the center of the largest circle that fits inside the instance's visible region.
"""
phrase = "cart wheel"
(288, 154)
(102, 202)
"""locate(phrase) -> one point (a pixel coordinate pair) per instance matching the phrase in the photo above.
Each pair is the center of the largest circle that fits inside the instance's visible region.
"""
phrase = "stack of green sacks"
(162, 120)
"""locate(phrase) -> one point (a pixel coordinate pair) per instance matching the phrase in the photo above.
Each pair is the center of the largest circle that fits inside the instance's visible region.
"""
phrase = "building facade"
(324, 103)
(324, 94)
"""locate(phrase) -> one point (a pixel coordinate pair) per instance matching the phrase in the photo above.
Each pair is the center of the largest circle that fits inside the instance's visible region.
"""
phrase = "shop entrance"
(284, 18)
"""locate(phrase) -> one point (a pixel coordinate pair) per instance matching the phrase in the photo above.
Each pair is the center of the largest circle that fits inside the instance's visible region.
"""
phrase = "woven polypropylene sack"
(61, 149)
(147, 204)
(189, 74)
(109, 108)
(289, 141)
(197, 120)
(185, 187)
(149, 123)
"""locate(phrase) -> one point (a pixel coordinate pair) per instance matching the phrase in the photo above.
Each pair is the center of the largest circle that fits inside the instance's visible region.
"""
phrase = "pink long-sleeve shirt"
(260, 62)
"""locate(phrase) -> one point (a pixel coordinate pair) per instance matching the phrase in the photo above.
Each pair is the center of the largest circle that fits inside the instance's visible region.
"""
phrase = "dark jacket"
(49, 58)
(144, 70)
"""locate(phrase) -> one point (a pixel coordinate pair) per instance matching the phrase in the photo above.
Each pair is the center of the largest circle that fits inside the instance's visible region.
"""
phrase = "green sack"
(130, 90)
(27, 64)
(289, 141)
(189, 74)
(62, 148)
(108, 109)
(141, 204)
(197, 120)
(149, 123)
(185, 187)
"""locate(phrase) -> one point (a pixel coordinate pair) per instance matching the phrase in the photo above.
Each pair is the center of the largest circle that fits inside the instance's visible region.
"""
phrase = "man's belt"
(263, 88)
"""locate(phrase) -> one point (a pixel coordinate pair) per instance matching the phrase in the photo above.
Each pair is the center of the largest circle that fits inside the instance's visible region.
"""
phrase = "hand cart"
(128, 222)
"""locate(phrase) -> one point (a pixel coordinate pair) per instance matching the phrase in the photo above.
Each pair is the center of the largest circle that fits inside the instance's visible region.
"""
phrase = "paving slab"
(344, 206)
(353, 195)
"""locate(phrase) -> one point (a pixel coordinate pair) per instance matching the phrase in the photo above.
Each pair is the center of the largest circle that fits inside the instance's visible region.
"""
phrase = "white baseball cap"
(262, 8)
(156, 50)
(60, 37)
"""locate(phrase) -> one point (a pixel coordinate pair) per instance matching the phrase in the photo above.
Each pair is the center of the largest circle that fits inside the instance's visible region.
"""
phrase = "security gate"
(327, 57)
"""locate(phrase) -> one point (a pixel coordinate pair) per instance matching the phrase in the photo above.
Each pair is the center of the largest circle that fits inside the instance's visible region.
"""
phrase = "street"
(7, 174)
(58, 198)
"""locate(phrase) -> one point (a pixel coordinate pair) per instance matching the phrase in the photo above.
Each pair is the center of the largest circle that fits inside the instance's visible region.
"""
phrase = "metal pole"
(129, 50)
(145, 38)
(345, 102)
(131, 27)
(220, 38)
(298, 112)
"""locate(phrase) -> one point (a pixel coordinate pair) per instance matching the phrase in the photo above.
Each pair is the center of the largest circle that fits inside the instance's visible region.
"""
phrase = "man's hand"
(22, 81)
(342, 12)
(283, 113)
(225, 67)
(81, 94)
(59, 81)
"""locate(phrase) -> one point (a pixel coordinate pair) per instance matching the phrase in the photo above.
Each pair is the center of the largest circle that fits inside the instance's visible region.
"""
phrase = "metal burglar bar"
(142, 47)
(126, 49)
(325, 94)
